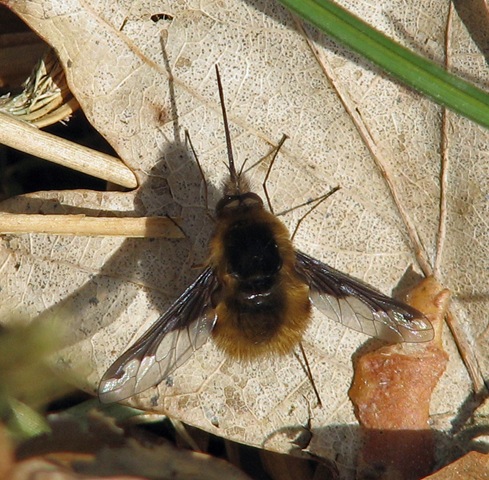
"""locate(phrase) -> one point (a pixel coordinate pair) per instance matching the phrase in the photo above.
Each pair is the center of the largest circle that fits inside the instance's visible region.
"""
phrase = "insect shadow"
(114, 289)
(143, 274)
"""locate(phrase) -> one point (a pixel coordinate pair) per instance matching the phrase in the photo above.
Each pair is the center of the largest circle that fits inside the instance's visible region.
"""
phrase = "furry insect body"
(254, 298)
(262, 306)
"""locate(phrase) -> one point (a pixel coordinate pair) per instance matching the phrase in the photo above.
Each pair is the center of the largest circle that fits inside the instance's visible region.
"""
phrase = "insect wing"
(359, 306)
(181, 330)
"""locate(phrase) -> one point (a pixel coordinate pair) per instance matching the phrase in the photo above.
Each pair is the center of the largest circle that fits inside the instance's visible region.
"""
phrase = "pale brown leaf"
(347, 124)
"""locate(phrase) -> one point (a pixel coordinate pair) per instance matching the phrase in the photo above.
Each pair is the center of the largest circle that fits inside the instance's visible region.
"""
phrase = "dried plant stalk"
(142, 227)
(25, 137)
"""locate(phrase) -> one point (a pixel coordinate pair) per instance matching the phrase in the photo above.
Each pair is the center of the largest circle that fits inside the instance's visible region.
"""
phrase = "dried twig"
(142, 227)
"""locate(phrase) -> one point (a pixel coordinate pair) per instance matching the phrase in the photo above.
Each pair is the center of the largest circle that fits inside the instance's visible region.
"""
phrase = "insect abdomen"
(264, 332)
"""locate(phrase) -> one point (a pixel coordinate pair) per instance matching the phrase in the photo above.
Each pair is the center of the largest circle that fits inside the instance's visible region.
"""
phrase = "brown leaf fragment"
(159, 462)
(288, 467)
(473, 466)
(391, 392)
(54, 467)
(99, 449)
(6, 453)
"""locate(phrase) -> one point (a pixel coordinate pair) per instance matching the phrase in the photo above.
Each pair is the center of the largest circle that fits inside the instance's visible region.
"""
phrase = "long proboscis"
(232, 168)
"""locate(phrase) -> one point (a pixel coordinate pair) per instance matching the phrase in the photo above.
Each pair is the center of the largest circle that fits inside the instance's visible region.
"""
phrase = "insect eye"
(228, 203)
(234, 202)
(251, 199)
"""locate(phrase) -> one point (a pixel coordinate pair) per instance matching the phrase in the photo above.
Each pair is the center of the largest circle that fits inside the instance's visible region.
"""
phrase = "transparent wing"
(359, 306)
(181, 330)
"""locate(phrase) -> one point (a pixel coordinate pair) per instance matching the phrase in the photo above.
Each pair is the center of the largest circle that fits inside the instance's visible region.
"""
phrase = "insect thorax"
(261, 300)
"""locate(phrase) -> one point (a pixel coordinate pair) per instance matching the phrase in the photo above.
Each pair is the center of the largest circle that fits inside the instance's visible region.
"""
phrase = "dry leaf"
(96, 449)
(473, 466)
(347, 124)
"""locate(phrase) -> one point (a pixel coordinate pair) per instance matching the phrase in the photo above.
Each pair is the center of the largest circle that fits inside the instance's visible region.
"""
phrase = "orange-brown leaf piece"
(391, 392)
(473, 466)
(6, 453)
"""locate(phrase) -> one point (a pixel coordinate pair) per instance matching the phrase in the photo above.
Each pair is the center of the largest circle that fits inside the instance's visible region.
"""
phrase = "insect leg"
(307, 369)
(318, 202)
(282, 140)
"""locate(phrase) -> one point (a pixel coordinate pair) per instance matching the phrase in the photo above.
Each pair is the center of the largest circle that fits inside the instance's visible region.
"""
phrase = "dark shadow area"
(21, 50)
(173, 187)
(93, 435)
(136, 260)
(419, 452)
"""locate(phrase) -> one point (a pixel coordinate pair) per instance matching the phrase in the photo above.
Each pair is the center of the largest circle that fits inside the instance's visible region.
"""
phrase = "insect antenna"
(231, 167)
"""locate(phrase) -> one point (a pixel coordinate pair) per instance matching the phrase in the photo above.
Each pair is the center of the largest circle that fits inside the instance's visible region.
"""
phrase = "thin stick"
(26, 138)
(141, 227)
(443, 205)
(445, 163)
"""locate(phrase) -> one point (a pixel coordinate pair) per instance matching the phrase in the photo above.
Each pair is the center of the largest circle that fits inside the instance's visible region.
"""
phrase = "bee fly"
(254, 297)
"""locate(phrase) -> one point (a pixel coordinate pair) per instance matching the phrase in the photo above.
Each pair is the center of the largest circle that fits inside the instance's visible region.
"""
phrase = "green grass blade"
(410, 68)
